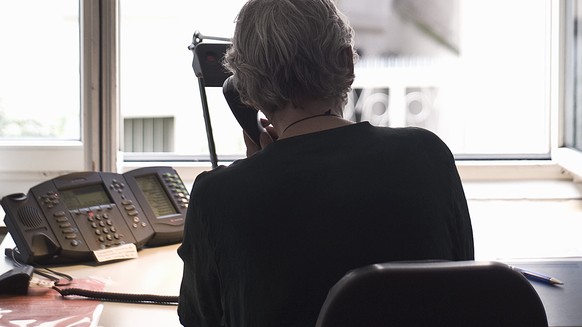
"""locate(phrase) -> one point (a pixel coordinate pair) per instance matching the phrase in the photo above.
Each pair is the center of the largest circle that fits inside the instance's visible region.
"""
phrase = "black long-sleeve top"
(266, 237)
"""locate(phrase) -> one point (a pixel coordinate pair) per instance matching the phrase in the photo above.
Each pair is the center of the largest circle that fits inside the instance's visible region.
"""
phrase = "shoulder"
(205, 180)
(425, 136)
(407, 132)
(205, 184)
(211, 184)
(417, 137)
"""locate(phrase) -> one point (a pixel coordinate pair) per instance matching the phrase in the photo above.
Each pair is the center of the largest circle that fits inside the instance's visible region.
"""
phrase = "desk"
(156, 271)
(563, 303)
(159, 271)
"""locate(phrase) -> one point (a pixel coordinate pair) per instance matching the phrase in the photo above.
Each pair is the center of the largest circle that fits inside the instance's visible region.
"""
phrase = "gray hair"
(290, 50)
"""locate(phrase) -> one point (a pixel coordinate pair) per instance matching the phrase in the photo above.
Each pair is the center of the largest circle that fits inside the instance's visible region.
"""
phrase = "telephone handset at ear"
(247, 117)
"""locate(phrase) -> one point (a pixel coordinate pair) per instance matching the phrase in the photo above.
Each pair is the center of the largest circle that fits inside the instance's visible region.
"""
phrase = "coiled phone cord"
(119, 297)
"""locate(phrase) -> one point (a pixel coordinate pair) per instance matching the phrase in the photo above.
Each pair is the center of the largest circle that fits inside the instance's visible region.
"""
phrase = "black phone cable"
(62, 279)
(59, 278)
(118, 297)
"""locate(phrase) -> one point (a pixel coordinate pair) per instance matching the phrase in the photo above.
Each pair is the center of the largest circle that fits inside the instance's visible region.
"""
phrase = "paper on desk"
(125, 251)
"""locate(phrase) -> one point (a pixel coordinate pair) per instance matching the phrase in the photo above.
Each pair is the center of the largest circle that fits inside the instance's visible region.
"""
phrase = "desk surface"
(155, 271)
(159, 271)
(563, 303)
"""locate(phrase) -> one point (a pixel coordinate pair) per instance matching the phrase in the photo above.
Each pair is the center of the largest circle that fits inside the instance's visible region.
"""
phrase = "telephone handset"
(74, 217)
(247, 117)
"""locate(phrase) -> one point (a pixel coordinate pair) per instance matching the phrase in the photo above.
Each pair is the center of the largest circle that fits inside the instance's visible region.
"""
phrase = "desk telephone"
(69, 218)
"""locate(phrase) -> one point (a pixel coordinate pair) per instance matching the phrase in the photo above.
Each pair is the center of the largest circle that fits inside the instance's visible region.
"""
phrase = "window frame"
(100, 92)
(562, 88)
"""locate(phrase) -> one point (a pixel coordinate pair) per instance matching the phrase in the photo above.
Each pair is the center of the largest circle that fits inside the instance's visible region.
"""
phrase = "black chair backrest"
(461, 293)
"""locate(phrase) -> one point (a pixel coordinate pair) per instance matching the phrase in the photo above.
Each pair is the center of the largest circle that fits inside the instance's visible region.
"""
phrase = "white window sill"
(517, 179)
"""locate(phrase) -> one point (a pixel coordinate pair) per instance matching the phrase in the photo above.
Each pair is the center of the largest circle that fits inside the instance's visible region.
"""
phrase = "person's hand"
(266, 137)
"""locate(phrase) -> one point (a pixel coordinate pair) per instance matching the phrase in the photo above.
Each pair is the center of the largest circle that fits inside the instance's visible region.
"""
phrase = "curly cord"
(119, 297)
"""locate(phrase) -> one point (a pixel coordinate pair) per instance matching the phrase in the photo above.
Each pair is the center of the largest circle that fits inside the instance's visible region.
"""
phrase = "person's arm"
(199, 303)
(462, 227)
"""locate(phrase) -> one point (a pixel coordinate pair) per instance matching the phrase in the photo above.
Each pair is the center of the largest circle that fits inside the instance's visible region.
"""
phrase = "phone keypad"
(105, 231)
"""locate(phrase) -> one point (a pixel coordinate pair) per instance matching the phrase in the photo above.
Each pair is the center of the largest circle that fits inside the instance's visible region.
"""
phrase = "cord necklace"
(327, 113)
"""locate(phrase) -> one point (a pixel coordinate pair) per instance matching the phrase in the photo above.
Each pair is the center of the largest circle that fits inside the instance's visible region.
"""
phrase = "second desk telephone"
(66, 219)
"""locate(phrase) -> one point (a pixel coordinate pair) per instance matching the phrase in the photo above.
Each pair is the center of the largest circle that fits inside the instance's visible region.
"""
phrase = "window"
(444, 66)
(40, 91)
(158, 83)
(482, 87)
(39, 61)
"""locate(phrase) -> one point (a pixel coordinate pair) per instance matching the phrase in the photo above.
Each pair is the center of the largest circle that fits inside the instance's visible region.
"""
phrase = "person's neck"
(312, 117)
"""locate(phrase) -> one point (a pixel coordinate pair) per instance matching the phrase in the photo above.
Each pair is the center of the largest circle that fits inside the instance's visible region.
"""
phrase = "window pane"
(446, 66)
(441, 65)
(39, 70)
(157, 80)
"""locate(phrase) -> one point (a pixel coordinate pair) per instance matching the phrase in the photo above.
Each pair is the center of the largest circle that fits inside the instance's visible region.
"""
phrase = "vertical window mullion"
(99, 83)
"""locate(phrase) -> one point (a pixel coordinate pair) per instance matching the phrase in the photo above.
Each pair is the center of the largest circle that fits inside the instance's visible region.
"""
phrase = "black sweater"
(266, 237)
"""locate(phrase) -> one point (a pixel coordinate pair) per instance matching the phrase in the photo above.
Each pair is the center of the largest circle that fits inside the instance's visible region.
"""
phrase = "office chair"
(443, 293)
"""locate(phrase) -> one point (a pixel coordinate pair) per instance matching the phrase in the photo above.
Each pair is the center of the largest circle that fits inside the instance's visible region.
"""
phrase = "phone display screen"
(85, 197)
(156, 195)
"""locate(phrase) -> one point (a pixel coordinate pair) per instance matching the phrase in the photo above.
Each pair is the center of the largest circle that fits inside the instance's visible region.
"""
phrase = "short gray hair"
(288, 50)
